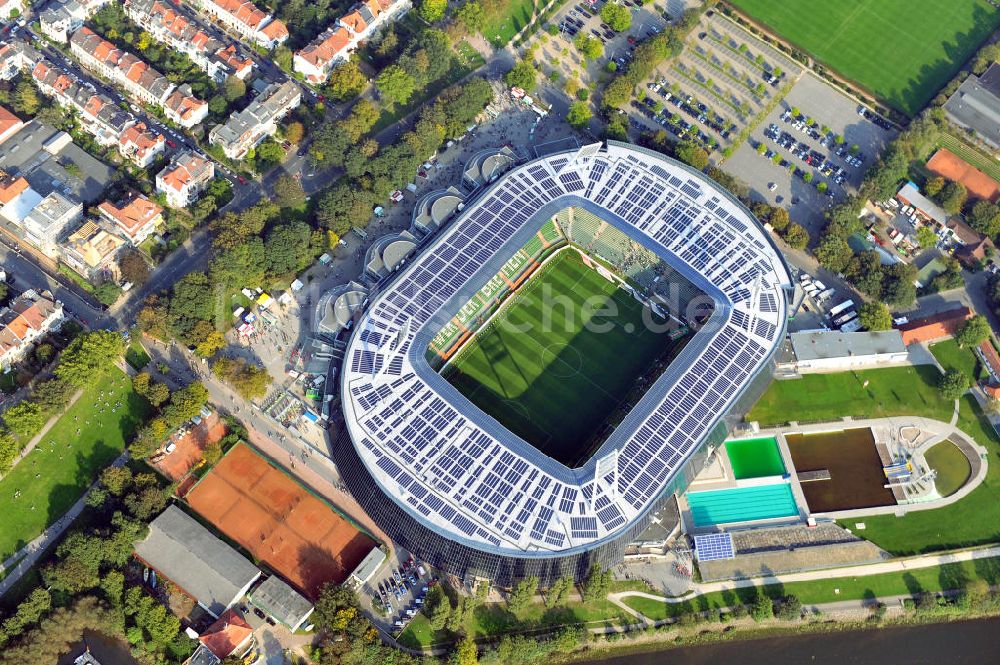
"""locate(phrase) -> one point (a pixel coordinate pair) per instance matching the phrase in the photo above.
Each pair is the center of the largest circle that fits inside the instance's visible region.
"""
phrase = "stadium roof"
(460, 472)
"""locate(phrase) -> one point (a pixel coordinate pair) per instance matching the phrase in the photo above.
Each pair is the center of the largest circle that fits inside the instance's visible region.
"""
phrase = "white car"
(772, 186)
(171, 447)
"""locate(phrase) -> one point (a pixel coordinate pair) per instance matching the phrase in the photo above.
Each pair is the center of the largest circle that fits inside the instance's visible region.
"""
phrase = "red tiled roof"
(226, 634)
(936, 326)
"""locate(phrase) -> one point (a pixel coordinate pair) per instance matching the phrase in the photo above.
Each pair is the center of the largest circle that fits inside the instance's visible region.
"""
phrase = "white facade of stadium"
(457, 488)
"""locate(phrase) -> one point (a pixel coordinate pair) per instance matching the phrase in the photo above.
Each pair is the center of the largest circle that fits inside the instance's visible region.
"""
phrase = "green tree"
(465, 652)
(591, 47)
(953, 197)
(283, 56)
(790, 608)
(346, 81)
(522, 75)
(762, 608)
(934, 186)
(834, 253)
(691, 153)
(286, 248)
(472, 16)
(209, 346)
(579, 114)
(248, 380)
(617, 16)
(875, 316)
(796, 236)
(597, 584)
(618, 93)
(898, 286)
(288, 192)
(778, 219)
(559, 591)
(926, 237)
(25, 100)
(985, 218)
(107, 292)
(522, 595)
(116, 479)
(433, 10)
(185, 404)
(113, 586)
(437, 607)
(89, 356)
(973, 332)
(395, 85)
(953, 384)
(234, 88)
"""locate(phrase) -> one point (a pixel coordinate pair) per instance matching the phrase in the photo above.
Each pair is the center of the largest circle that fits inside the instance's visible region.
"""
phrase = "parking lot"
(397, 592)
(828, 123)
(713, 91)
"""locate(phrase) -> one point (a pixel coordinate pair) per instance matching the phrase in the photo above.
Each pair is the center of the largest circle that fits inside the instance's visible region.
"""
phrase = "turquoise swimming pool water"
(742, 504)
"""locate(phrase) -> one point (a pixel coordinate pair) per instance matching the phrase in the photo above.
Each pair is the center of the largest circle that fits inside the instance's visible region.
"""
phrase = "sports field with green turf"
(560, 356)
(903, 51)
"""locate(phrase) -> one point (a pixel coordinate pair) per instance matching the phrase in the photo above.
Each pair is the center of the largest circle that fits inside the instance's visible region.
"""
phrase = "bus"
(844, 318)
(842, 307)
(854, 325)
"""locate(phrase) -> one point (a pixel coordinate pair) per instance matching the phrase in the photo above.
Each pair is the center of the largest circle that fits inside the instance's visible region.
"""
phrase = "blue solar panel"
(714, 546)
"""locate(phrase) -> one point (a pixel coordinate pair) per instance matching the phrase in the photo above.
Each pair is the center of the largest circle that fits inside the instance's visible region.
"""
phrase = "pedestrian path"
(45, 429)
(882, 567)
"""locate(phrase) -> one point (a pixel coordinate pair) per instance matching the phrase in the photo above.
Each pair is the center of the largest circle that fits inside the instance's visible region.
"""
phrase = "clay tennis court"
(278, 521)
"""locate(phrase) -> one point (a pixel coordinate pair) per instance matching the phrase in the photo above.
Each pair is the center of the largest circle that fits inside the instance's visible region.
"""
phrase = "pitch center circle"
(561, 361)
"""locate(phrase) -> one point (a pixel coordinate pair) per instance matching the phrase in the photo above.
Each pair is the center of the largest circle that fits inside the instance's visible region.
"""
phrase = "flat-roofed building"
(45, 224)
(976, 105)
(834, 351)
(282, 603)
(211, 572)
(92, 251)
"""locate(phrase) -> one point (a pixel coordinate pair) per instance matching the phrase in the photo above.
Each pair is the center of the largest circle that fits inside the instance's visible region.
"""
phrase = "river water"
(959, 643)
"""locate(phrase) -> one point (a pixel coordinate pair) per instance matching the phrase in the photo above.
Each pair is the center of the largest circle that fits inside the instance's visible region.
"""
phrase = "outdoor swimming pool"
(742, 504)
(755, 458)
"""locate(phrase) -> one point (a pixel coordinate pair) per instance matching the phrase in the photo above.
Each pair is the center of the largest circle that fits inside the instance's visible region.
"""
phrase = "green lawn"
(508, 19)
(67, 460)
(554, 363)
(951, 465)
(947, 577)
(903, 51)
(135, 354)
(891, 391)
(952, 356)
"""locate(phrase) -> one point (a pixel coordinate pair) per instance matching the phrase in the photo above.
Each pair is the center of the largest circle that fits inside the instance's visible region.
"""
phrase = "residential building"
(184, 108)
(138, 78)
(211, 572)
(11, 8)
(29, 317)
(44, 225)
(950, 166)
(935, 326)
(135, 216)
(282, 603)
(246, 129)
(230, 634)
(141, 145)
(247, 20)
(185, 178)
(17, 198)
(15, 56)
(61, 18)
(202, 656)
(976, 105)
(10, 124)
(337, 42)
(98, 114)
(834, 351)
(86, 658)
(92, 251)
(169, 23)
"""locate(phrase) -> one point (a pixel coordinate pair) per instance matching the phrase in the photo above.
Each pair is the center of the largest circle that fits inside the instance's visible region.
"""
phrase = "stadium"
(553, 366)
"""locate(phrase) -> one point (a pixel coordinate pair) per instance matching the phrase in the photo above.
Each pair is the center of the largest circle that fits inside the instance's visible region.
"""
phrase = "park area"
(899, 391)
(902, 51)
(278, 521)
(557, 384)
(43, 486)
(505, 18)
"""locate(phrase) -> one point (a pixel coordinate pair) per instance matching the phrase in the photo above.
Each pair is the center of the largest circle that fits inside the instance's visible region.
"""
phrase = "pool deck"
(914, 434)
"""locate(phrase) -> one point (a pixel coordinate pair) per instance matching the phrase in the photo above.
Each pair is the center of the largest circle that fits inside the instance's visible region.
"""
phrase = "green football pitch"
(903, 51)
(560, 356)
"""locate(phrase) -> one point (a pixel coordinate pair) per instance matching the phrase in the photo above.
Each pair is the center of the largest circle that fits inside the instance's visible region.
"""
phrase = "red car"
(242, 180)
(631, 40)
(171, 144)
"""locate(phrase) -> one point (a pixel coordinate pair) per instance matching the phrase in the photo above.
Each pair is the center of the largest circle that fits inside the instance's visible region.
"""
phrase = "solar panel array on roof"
(473, 479)
(714, 546)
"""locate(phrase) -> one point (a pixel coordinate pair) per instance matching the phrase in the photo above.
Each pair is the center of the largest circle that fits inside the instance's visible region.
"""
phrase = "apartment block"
(170, 24)
(135, 217)
(29, 317)
(246, 129)
(247, 20)
(185, 178)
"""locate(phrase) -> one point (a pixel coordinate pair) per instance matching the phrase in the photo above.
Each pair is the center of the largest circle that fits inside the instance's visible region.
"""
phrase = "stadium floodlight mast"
(446, 479)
